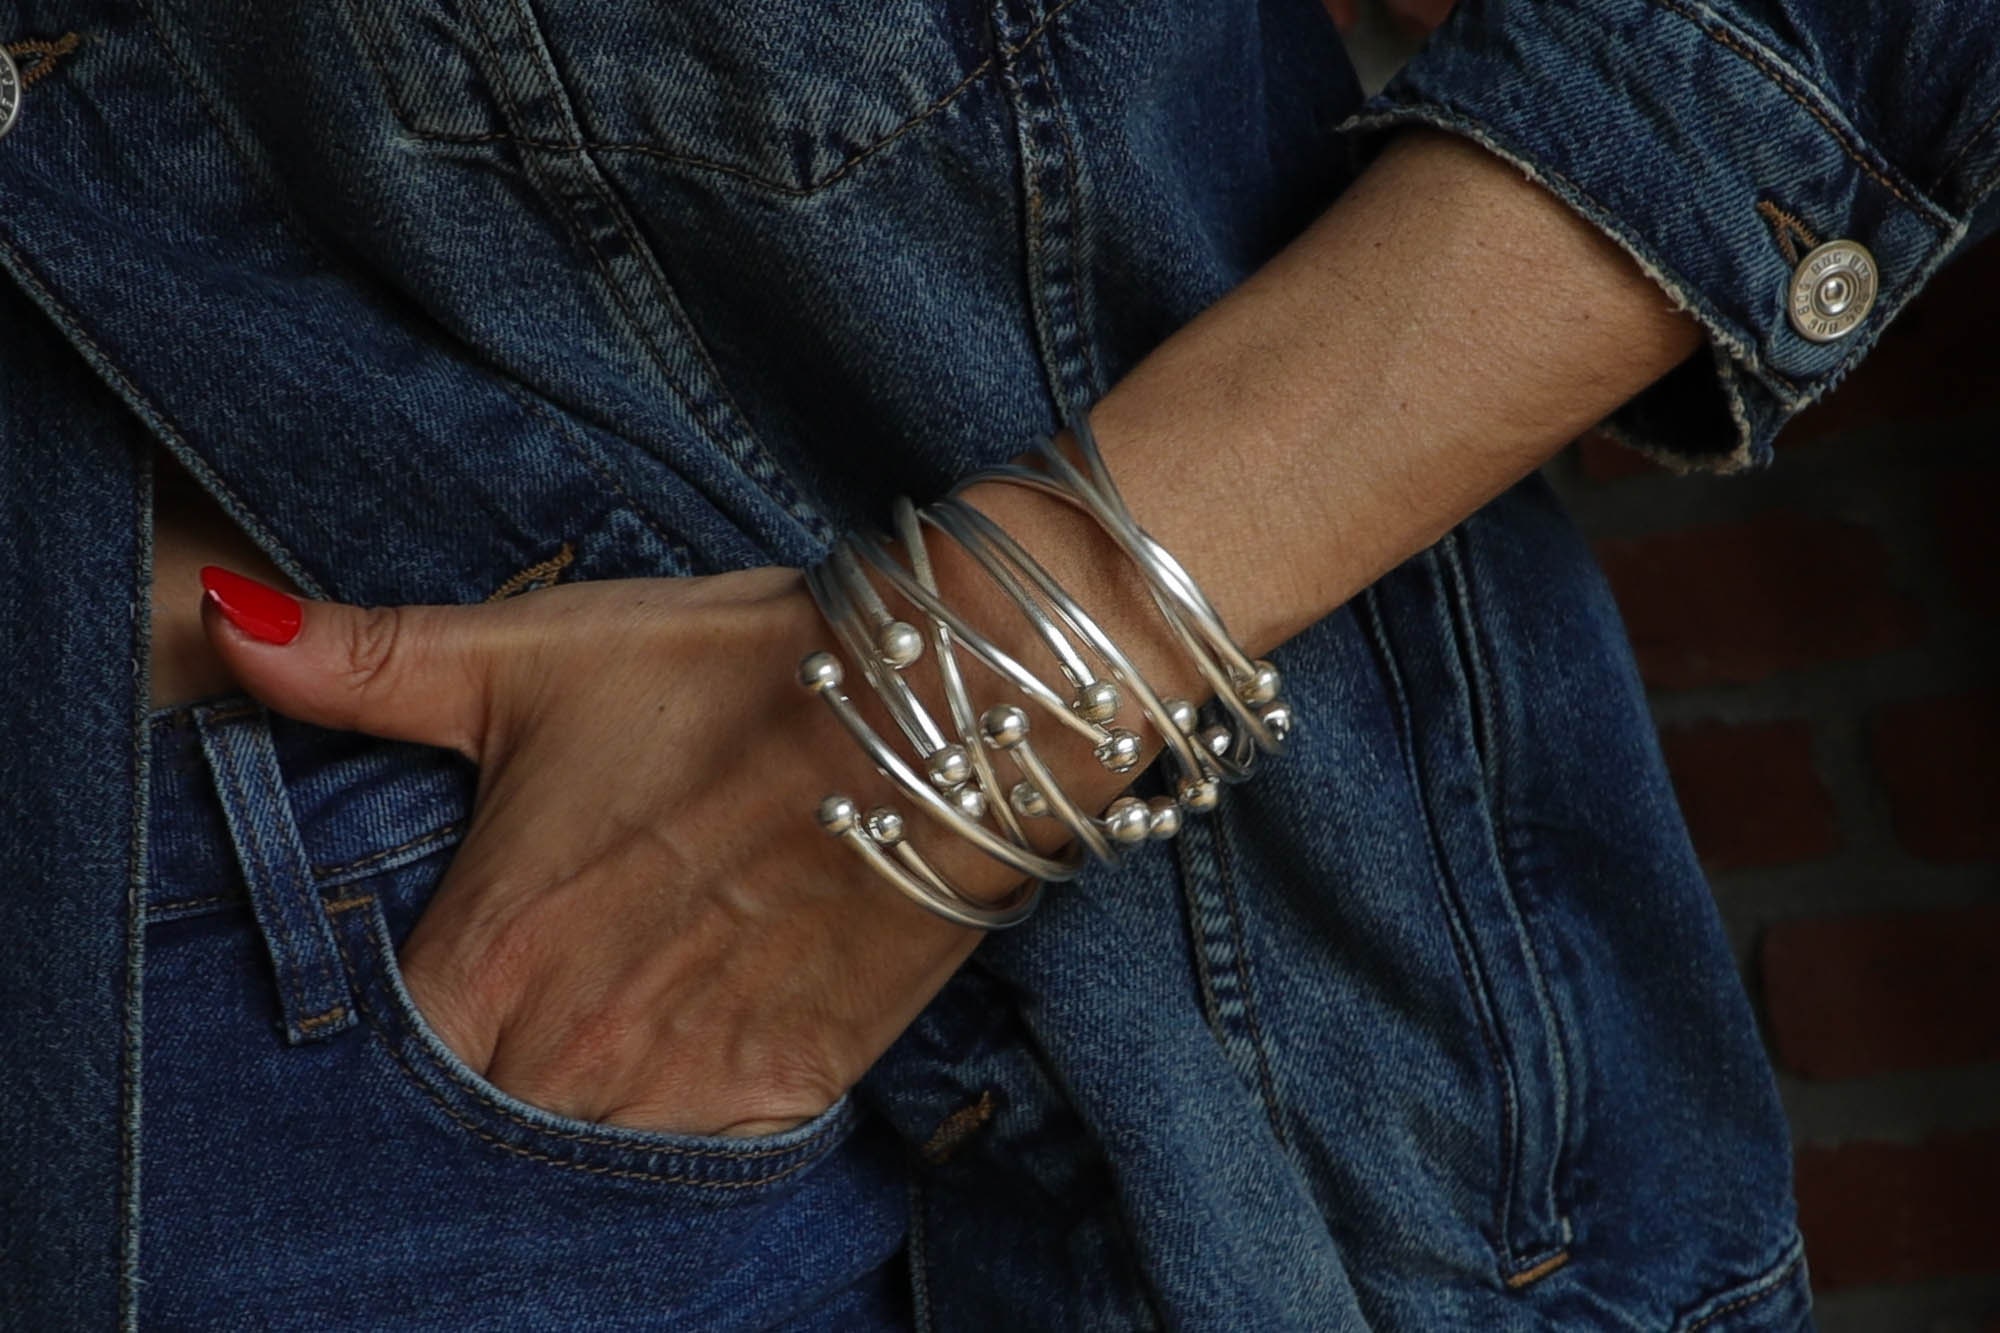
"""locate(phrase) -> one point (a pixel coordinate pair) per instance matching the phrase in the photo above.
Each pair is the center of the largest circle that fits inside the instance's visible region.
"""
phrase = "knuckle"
(375, 644)
(605, 1036)
(790, 1080)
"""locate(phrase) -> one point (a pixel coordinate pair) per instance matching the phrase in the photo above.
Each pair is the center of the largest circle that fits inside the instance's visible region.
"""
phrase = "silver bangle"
(822, 673)
(839, 817)
(995, 658)
(986, 540)
(1248, 690)
(964, 717)
(960, 786)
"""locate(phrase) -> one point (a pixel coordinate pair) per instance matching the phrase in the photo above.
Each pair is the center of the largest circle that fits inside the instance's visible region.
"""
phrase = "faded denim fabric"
(1700, 134)
(1433, 1026)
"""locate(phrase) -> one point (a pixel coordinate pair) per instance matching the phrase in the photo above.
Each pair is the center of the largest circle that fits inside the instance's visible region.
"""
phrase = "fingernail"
(259, 610)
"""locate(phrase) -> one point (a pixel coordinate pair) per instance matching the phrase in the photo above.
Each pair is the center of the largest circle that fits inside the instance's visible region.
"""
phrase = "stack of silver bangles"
(955, 775)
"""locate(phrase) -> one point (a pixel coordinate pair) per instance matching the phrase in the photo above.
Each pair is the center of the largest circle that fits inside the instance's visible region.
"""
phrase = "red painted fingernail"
(259, 610)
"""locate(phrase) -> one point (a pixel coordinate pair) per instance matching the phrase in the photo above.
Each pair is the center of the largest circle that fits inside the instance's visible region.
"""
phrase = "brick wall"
(1822, 644)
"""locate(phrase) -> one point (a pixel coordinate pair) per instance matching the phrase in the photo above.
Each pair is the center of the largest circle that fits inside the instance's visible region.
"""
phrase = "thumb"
(412, 673)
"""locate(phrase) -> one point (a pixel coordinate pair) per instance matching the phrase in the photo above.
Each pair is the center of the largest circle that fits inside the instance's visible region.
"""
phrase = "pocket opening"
(486, 1114)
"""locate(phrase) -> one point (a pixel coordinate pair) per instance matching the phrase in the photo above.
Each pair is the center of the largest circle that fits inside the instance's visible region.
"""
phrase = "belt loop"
(312, 985)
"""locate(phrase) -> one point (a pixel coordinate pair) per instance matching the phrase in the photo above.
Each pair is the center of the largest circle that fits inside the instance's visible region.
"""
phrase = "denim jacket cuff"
(1702, 151)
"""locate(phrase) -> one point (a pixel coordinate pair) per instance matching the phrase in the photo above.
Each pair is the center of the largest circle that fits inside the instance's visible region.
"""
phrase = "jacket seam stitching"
(138, 870)
(1455, 568)
(584, 144)
(151, 415)
(1765, 1287)
(1211, 1007)
(1985, 186)
(1223, 1029)
(1850, 143)
(1498, 1053)
(614, 204)
(740, 447)
(1971, 142)
(1072, 165)
(1266, 1083)
(283, 215)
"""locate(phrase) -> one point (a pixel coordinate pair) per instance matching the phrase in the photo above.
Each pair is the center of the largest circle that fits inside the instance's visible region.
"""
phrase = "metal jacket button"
(1833, 289)
(10, 92)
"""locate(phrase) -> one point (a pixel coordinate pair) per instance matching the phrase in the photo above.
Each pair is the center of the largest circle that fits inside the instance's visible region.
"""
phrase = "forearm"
(1441, 331)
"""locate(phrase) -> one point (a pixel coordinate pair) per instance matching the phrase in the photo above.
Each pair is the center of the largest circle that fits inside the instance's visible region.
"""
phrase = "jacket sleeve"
(1792, 172)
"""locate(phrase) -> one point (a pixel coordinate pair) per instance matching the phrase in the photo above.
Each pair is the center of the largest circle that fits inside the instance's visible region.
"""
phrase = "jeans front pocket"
(439, 1087)
(313, 1174)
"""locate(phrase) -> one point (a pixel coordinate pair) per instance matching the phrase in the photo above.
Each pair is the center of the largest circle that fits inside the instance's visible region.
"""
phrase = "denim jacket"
(1432, 1026)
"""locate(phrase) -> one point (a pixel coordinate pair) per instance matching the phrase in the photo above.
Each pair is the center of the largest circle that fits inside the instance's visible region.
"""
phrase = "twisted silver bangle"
(964, 717)
(989, 543)
(1248, 690)
(839, 816)
(822, 673)
(994, 657)
(960, 785)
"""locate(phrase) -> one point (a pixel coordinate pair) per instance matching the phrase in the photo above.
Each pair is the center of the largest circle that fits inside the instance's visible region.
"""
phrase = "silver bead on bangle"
(955, 779)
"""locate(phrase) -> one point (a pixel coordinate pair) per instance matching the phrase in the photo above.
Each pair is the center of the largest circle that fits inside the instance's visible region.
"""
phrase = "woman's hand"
(643, 925)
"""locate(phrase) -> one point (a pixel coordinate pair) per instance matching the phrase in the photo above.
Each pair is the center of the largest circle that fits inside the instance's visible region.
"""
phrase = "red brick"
(1964, 508)
(1851, 996)
(1604, 459)
(1750, 793)
(1886, 1212)
(1939, 759)
(1741, 602)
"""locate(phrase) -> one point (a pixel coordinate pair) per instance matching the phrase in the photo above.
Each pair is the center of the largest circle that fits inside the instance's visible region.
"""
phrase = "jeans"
(318, 1159)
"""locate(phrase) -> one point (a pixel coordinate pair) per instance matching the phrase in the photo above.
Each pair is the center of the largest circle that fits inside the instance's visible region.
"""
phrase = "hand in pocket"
(642, 926)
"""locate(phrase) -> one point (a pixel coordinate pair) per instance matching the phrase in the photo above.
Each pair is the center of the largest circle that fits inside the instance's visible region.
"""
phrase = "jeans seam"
(193, 904)
(343, 867)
